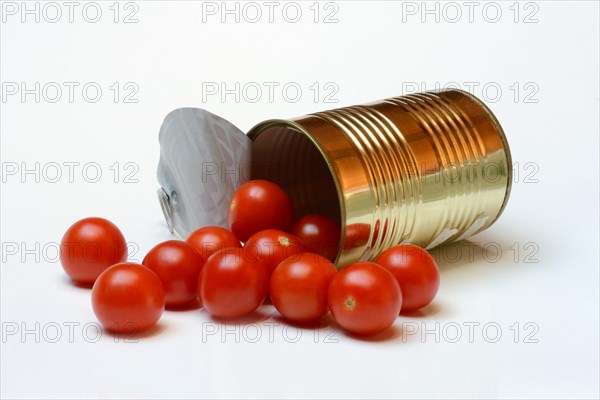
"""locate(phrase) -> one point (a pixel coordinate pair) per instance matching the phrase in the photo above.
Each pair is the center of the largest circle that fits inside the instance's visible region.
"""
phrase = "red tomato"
(272, 246)
(128, 298)
(416, 272)
(177, 264)
(90, 246)
(258, 205)
(364, 298)
(356, 235)
(210, 239)
(299, 287)
(319, 234)
(232, 285)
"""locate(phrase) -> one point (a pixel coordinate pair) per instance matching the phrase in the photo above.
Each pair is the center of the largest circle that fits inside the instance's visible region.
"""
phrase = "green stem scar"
(350, 303)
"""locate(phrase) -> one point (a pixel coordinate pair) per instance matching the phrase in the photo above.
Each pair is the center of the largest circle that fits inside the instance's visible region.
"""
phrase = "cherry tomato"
(128, 298)
(272, 246)
(210, 239)
(232, 285)
(319, 234)
(177, 264)
(364, 298)
(299, 287)
(90, 246)
(416, 272)
(258, 205)
(356, 235)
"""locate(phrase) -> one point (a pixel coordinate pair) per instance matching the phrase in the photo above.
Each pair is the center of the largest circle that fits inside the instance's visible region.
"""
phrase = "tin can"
(426, 168)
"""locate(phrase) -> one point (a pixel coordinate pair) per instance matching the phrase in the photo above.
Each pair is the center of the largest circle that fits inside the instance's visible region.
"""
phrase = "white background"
(547, 73)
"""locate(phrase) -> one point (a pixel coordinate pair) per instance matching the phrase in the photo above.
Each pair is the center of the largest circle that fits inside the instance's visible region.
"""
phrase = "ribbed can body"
(425, 168)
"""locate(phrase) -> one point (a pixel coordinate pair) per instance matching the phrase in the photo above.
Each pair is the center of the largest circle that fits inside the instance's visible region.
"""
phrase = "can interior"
(287, 157)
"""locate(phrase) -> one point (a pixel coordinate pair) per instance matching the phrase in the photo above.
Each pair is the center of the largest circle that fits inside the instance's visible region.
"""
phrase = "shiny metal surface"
(425, 168)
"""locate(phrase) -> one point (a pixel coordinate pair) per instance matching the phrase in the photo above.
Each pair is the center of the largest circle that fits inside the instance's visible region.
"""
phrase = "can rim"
(261, 127)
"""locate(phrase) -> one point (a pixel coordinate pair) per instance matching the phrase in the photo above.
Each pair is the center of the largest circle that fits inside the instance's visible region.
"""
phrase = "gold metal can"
(426, 168)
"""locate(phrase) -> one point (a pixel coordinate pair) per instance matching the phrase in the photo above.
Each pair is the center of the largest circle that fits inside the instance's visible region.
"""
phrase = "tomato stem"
(284, 241)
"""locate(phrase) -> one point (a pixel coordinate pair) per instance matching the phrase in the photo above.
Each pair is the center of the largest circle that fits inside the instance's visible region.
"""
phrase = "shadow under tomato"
(78, 285)
(325, 321)
(391, 333)
(154, 330)
(194, 305)
(253, 318)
